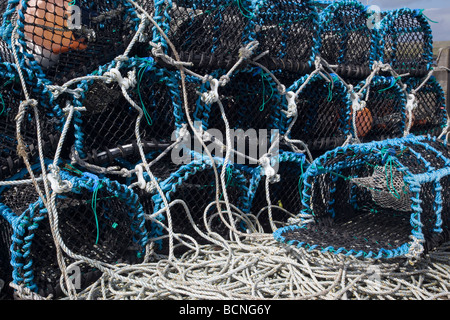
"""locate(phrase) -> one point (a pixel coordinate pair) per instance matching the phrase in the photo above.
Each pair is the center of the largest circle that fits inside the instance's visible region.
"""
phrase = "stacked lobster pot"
(132, 130)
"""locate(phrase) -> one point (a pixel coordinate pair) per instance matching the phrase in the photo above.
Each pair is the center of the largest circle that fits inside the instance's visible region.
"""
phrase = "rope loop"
(211, 96)
(125, 83)
(269, 171)
(57, 184)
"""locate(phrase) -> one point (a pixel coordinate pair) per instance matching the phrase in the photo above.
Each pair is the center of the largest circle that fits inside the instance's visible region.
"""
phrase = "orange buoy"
(46, 26)
(363, 122)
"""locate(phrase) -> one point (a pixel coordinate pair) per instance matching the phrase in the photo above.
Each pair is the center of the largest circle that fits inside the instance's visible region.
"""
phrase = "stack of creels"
(376, 200)
(348, 41)
(328, 113)
(406, 42)
(394, 108)
(60, 40)
(97, 219)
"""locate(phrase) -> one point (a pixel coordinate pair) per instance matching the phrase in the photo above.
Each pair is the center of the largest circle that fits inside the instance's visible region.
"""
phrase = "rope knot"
(183, 133)
(211, 96)
(247, 51)
(415, 249)
(269, 171)
(357, 105)
(125, 83)
(141, 183)
(57, 184)
(411, 102)
(292, 105)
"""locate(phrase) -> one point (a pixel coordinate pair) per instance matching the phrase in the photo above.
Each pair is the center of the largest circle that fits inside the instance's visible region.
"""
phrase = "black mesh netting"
(211, 33)
(384, 115)
(289, 31)
(109, 120)
(207, 33)
(250, 100)
(430, 115)
(285, 194)
(323, 109)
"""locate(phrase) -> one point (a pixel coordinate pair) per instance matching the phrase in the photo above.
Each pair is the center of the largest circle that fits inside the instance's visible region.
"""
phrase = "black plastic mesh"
(250, 99)
(289, 31)
(5, 53)
(284, 194)
(208, 33)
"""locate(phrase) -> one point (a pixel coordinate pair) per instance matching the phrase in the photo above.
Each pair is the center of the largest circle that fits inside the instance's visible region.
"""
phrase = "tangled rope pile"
(109, 204)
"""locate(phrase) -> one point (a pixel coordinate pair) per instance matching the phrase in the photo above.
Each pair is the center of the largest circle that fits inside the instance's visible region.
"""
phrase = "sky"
(436, 10)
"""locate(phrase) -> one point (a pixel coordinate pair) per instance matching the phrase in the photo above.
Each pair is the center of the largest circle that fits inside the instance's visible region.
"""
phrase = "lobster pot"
(109, 121)
(376, 200)
(347, 39)
(195, 185)
(384, 115)
(430, 114)
(99, 219)
(161, 168)
(251, 100)
(13, 198)
(11, 96)
(323, 114)
(284, 193)
(289, 31)
(208, 33)
(406, 42)
(61, 39)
